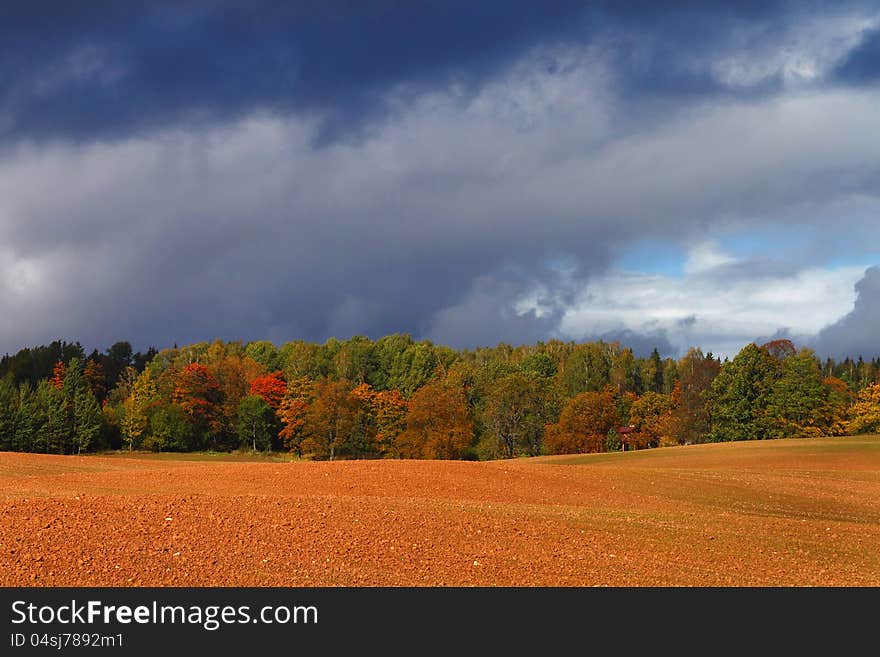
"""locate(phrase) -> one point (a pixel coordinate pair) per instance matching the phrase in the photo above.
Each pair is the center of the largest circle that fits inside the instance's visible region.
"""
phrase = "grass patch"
(849, 445)
(213, 457)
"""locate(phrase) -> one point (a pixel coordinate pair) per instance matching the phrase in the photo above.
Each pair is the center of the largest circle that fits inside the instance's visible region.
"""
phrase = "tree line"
(400, 398)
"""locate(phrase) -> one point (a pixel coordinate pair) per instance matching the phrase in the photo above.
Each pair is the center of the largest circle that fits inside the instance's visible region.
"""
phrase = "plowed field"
(787, 513)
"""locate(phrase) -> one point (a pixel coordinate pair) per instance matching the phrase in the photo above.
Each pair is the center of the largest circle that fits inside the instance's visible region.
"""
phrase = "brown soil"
(785, 513)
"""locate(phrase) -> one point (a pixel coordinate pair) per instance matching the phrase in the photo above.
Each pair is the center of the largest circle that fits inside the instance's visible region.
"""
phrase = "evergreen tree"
(8, 412)
(27, 420)
(656, 382)
(52, 426)
(86, 420)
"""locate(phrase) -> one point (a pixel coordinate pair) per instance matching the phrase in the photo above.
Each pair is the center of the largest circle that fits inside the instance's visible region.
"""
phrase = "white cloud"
(717, 311)
(706, 256)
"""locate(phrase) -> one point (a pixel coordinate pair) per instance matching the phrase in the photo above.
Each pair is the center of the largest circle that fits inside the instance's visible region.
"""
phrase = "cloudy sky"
(669, 174)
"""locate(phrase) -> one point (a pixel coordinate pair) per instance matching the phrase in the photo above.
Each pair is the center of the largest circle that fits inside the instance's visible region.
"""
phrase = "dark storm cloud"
(487, 316)
(856, 334)
(106, 69)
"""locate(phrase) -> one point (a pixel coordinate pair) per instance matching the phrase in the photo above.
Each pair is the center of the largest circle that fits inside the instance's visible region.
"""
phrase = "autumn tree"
(584, 423)
(234, 373)
(197, 393)
(96, 378)
(834, 412)
(58, 375)
(691, 419)
(333, 422)
(438, 424)
(389, 409)
(651, 415)
(292, 412)
(271, 387)
(865, 414)
(779, 349)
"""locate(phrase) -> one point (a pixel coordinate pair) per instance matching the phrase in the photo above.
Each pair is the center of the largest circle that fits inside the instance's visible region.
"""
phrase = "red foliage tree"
(271, 387)
(780, 349)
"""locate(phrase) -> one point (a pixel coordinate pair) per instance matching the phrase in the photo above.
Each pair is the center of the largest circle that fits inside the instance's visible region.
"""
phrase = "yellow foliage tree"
(651, 414)
(865, 415)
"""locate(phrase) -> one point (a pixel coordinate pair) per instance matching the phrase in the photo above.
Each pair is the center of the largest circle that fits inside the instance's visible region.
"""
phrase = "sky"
(667, 174)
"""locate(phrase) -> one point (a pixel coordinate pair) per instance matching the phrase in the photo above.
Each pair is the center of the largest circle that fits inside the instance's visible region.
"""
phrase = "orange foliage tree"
(197, 392)
(651, 415)
(292, 412)
(438, 424)
(271, 387)
(387, 416)
(58, 374)
(584, 423)
(336, 422)
(234, 373)
(390, 409)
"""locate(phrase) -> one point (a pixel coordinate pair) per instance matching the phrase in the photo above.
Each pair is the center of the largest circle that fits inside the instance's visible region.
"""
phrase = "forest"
(395, 397)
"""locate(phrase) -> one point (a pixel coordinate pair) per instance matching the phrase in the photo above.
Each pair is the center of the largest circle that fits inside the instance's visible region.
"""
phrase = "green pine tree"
(86, 420)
